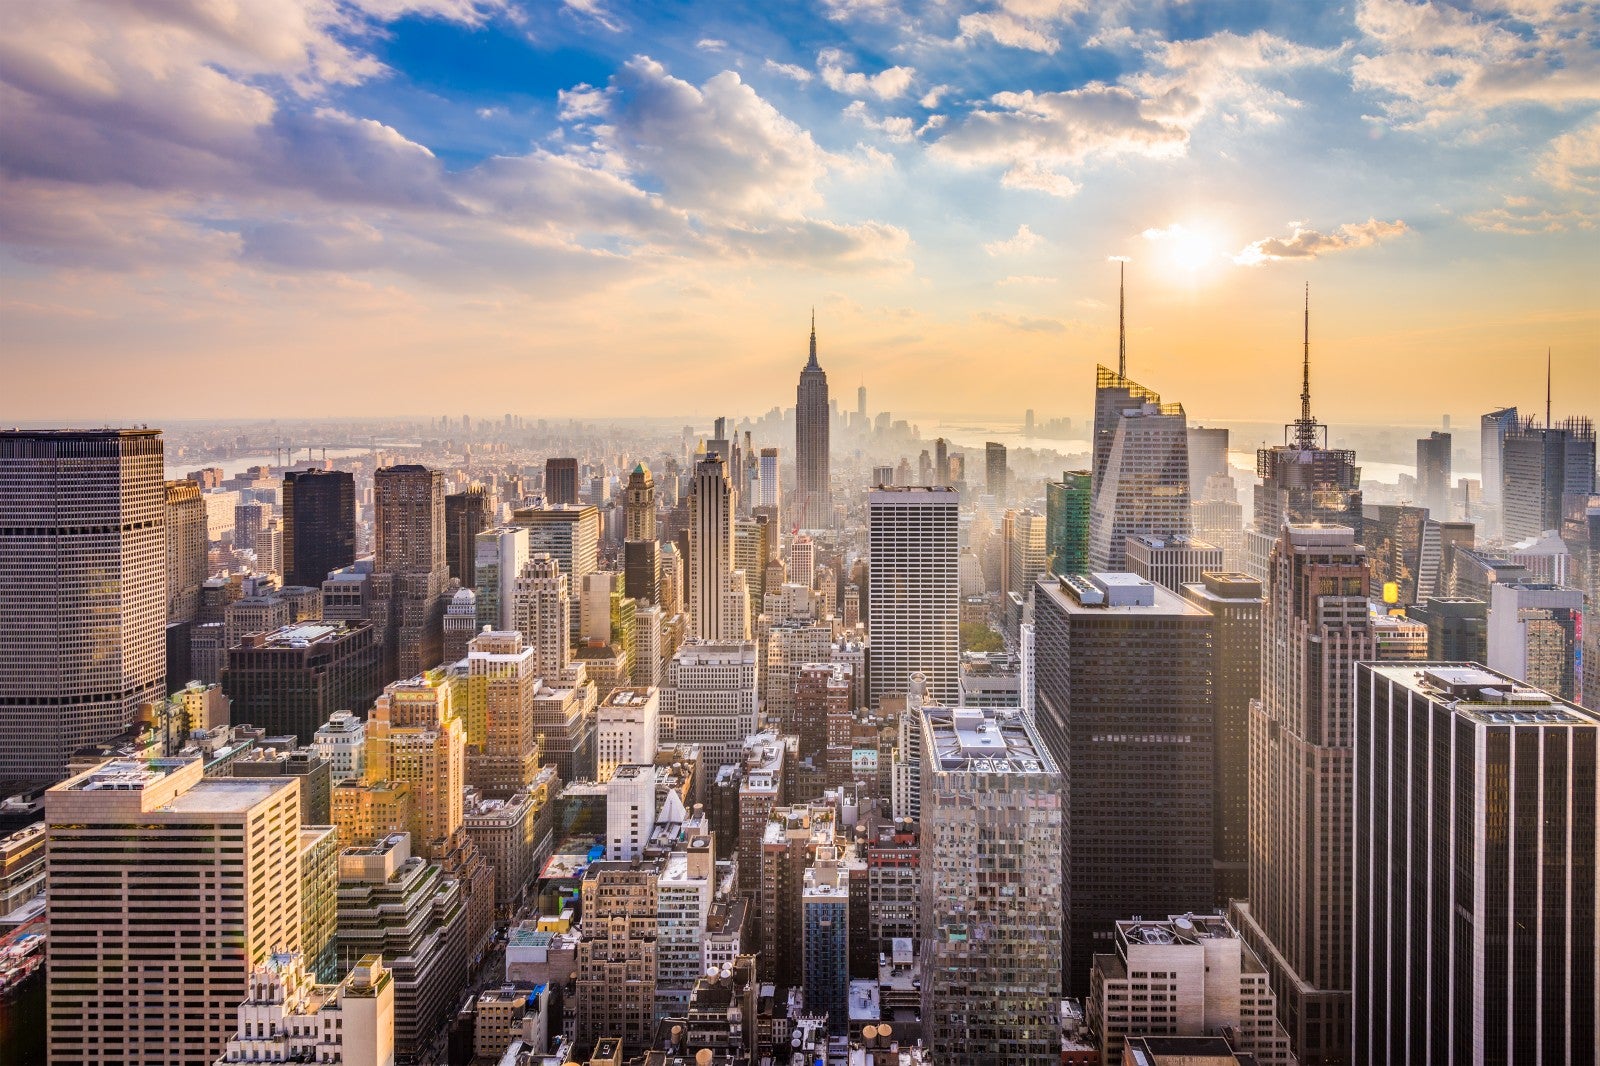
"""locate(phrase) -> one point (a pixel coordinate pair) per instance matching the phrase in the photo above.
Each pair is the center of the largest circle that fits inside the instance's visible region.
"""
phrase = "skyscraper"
(466, 514)
(319, 525)
(1142, 486)
(992, 815)
(1208, 457)
(771, 498)
(570, 535)
(1126, 703)
(561, 481)
(813, 502)
(997, 477)
(1492, 431)
(1474, 842)
(914, 609)
(1542, 467)
(83, 597)
(1536, 636)
(165, 888)
(1315, 628)
(187, 566)
(639, 505)
(541, 610)
(410, 549)
(710, 548)
(1433, 474)
(1066, 522)
(1302, 482)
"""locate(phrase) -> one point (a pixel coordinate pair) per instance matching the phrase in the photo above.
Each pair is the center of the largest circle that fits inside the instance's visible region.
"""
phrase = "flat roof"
(227, 795)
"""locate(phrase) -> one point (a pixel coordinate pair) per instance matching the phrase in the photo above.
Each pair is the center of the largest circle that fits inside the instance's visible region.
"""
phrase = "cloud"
(885, 85)
(867, 10)
(582, 101)
(710, 44)
(1520, 218)
(1024, 240)
(895, 127)
(596, 12)
(1022, 323)
(1572, 161)
(931, 98)
(1309, 244)
(1026, 24)
(1431, 64)
(1028, 279)
(788, 70)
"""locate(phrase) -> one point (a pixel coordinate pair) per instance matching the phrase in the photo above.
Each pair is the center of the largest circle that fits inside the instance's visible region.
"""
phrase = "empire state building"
(813, 506)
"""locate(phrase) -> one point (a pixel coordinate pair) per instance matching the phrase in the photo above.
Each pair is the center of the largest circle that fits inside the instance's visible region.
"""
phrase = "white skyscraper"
(771, 489)
(710, 547)
(1145, 486)
(709, 698)
(500, 554)
(541, 612)
(915, 603)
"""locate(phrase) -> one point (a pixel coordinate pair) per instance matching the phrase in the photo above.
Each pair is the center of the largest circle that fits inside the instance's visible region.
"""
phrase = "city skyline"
(370, 186)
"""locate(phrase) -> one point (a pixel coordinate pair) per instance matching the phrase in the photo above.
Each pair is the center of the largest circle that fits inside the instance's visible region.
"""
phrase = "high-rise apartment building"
(1535, 635)
(1234, 601)
(502, 681)
(1303, 481)
(165, 889)
(1315, 628)
(1433, 474)
(710, 548)
(1475, 902)
(914, 606)
(570, 535)
(1126, 702)
(771, 498)
(992, 815)
(561, 482)
(616, 963)
(1171, 562)
(541, 610)
(825, 938)
(319, 525)
(83, 591)
(996, 475)
(710, 698)
(466, 514)
(410, 549)
(1190, 975)
(1066, 521)
(187, 565)
(1143, 484)
(813, 498)
(1541, 466)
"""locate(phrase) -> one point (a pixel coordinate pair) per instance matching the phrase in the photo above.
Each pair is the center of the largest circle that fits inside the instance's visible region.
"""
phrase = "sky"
(307, 208)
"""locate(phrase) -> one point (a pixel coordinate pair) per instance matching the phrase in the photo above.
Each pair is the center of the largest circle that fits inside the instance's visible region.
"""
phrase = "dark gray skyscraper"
(996, 475)
(411, 551)
(466, 514)
(1303, 481)
(83, 591)
(560, 481)
(814, 507)
(319, 525)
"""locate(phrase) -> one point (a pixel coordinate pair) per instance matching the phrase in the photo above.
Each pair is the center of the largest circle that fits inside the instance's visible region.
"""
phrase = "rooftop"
(984, 740)
(1483, 695)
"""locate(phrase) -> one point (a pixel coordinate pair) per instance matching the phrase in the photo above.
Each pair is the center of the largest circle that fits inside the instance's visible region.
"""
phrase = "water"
(177, 468)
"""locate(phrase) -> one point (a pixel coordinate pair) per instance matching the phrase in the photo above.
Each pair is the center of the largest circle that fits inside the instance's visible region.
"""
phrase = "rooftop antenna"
(1122, 320)
(813, 361)
(1548, 424)
(1305, 427)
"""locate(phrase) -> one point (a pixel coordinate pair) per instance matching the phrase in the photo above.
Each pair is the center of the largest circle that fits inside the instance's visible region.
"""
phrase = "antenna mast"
(1122, 320)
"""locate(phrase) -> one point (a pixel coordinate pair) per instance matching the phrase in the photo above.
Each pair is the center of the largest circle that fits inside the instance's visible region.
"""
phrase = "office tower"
(514, 835)
(541, 610)
(616, 963)
(997, 478)
(1458, 630)
(290, 680)
(1536, 636)
(648, 646)
(750, 555)
(914, 605)
(639, 505)
(626, 726)
(248, 520)
(1234, 602)
(561, 482)
(710, 548)
(1475, 901)
(1143, 484)
(1492, 431)
(342, 743)
(1315, 628)
(165, 888)
(187, 567)
(571, 535)
(1190, 975)
(409, 531)
(641, 569)
(812, 490)
(882, 476)
(1126, 677)
(502, 680)
(1302, 481)
(771, 498)
(1541, 467)
(1208, 457)
(825, 939)
(790, 645)
(1025, 550)
(83, 603)
(410, 913)
(1066, 520)
(1172, 562)
(1437, 557)
(992, 815)
(710, 698)
(500, 553)
(941, 462)
(415, 737)
(1433, 474)
(672, 590)
(803, 561)
(460, 625)
(466, 514)
(1393, 536)
(287, 1016)
(630, 811)
(319, 525)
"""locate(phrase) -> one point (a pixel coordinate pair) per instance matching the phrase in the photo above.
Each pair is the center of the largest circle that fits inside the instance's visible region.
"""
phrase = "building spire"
(1306, 426)
(813, 360)
(1122, 319)
(1547, 423)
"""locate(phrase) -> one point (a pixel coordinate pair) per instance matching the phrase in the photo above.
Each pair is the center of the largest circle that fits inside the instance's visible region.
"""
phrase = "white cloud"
(867, 10)
(1572, 160)
(885, 85)
(1007, 30)
(596, 12)
(580, 102)
(931, 98)
(788, 70)
(711, 44)
(1027, 279)
(1031, 176)
(1024, 240)
(895, 127)
(1309, 244)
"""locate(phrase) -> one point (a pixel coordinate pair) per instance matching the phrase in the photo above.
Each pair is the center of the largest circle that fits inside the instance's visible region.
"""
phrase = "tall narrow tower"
(710, 547)
(814, 508)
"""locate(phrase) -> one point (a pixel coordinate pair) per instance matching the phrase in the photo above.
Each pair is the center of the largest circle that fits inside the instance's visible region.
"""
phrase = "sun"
(1188, 250)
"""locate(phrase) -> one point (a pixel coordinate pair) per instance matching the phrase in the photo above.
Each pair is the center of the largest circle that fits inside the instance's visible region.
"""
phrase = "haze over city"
(517, 193)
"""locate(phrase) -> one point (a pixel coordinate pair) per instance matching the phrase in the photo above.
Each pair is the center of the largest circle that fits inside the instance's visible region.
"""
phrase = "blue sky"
(195, 192)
